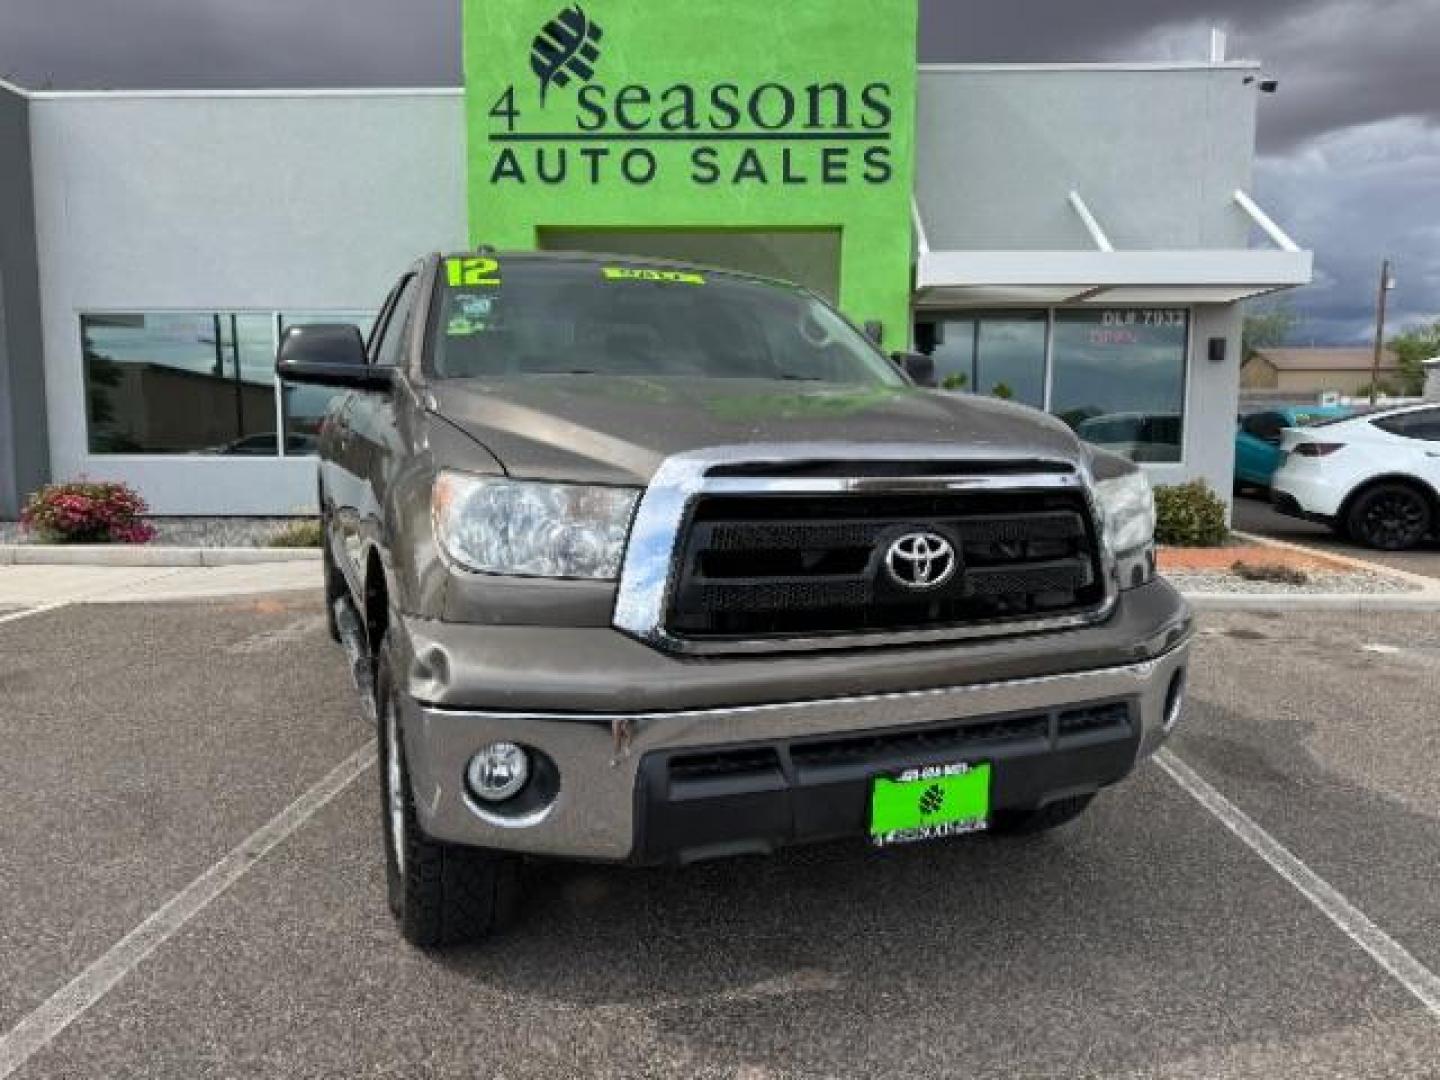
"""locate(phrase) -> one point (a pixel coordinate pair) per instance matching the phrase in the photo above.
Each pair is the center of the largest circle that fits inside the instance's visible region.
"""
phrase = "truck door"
(372, 437)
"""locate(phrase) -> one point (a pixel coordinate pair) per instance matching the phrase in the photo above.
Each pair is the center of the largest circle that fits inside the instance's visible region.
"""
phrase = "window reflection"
(1118, 374)
(999, 354)
(1010, 359)
(1119, 379)
(951, 344)
(196, 383)
(178, 383)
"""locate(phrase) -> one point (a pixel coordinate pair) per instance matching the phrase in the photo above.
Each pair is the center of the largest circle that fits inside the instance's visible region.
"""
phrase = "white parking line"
(16, 616)
(69, 1003)
(1354, 923)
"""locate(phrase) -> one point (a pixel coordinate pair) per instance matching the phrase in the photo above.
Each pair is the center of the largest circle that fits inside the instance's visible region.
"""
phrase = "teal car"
(1257, 438)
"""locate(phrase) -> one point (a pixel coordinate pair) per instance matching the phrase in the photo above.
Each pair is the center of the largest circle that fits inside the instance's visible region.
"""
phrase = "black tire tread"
(334, 587)
(1354, 516)
(454, 894)
(450, 894)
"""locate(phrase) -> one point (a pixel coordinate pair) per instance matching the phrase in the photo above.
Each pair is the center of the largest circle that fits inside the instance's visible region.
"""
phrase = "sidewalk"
(45, 586)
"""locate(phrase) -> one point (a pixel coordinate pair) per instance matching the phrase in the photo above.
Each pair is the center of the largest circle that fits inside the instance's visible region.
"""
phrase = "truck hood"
(618, 430)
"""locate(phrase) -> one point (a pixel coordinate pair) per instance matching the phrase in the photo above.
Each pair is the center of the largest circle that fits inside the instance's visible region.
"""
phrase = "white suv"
(1374, 478)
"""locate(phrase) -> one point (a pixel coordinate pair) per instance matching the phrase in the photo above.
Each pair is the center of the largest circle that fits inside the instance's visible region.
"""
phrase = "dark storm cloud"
(1351, 156)
(1358, 196)
(1339, 64)
(1044, 31)
(1350, 147)
(162, 44)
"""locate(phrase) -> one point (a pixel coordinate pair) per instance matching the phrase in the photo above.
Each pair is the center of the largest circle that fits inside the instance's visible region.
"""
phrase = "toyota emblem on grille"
(921, 560)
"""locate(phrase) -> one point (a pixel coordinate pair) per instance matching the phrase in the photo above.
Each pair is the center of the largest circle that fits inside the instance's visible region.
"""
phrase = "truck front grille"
(781, 565)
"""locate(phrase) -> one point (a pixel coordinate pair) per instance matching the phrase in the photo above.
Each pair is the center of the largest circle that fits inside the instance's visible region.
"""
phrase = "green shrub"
(299, 534)
(1189, 515)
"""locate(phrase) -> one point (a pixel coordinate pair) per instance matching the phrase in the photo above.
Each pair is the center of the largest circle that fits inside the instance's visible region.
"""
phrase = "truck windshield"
(501, 317)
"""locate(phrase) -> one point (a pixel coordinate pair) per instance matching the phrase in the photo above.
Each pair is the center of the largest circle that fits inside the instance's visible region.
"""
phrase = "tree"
(957, 381)
(1268, 327)
(1412, 349)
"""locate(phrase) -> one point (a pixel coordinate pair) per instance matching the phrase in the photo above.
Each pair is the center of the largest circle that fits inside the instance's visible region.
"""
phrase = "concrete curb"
(146, 555)
(1354, 603)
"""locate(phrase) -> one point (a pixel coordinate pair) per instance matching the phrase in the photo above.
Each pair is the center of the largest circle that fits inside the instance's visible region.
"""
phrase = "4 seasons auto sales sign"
(661, 114)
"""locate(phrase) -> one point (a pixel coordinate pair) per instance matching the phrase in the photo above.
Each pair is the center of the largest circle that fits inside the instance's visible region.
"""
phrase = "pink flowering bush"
(86, 512)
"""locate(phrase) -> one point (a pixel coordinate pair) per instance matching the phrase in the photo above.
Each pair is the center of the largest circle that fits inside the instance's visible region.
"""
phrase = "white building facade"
(1083, 236)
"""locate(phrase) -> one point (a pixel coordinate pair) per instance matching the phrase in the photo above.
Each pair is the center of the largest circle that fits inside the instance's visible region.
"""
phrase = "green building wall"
(749, 116)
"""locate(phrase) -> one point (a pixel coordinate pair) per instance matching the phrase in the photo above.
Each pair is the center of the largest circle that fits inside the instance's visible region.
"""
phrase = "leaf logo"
(566, 47)
(932, 800)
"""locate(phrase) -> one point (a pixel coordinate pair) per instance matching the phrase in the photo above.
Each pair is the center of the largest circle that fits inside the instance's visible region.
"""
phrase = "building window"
(1119, 379)
(1000, 354)
(179, 384)
(193, 383)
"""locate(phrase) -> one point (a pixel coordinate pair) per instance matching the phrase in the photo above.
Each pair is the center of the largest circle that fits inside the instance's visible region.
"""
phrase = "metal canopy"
(1105, 276)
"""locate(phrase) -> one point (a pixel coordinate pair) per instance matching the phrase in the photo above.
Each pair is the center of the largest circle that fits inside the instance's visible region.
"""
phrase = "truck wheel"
(1050, 816)
(441, 894)
(334, 588)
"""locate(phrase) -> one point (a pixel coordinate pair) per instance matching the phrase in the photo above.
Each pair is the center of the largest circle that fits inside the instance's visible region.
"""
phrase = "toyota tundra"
(653, 563)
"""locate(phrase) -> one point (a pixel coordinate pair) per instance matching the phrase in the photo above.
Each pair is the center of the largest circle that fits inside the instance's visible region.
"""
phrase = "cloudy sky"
(1349, 148)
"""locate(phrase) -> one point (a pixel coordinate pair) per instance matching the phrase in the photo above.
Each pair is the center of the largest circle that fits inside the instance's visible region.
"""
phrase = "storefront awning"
(1105, 276)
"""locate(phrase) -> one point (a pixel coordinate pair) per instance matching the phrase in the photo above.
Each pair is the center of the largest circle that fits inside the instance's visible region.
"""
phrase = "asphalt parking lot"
(147, 741)
(1254, 514)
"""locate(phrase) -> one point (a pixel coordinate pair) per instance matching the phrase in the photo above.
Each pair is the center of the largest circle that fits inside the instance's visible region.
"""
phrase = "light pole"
(1386, 284)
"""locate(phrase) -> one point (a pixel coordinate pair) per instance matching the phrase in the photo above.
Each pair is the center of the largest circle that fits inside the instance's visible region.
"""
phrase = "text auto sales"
(823, 133)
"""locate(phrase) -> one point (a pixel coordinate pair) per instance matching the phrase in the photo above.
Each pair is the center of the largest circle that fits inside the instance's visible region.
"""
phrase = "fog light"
(1175, 700)
(498, 772)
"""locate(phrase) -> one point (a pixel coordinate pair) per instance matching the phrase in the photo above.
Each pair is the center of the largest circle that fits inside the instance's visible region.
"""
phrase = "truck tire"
(441, 894)
(334, 587)
(1050, 816)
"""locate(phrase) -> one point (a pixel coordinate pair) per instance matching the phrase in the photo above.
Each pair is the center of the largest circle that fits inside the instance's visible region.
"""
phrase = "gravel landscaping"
(1318, 581)
(190, 531)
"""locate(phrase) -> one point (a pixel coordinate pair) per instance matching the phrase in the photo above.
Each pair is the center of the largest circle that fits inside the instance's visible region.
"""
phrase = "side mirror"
(329, 354)
(918, 366)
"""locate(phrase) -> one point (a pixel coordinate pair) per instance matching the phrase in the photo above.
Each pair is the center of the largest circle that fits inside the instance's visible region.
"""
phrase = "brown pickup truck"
(649, 563)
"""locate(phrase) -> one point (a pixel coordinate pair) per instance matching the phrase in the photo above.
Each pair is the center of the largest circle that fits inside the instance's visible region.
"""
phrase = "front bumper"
(634, 786)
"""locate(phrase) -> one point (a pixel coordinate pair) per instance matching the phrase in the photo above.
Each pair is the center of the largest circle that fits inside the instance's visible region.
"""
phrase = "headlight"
(530, 529)
(1128, 504)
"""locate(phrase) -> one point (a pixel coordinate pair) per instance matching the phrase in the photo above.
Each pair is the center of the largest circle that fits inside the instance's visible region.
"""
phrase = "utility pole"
(1386, 284)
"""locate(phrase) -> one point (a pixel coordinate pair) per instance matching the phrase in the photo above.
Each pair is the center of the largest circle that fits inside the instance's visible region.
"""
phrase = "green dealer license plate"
(930, 802)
